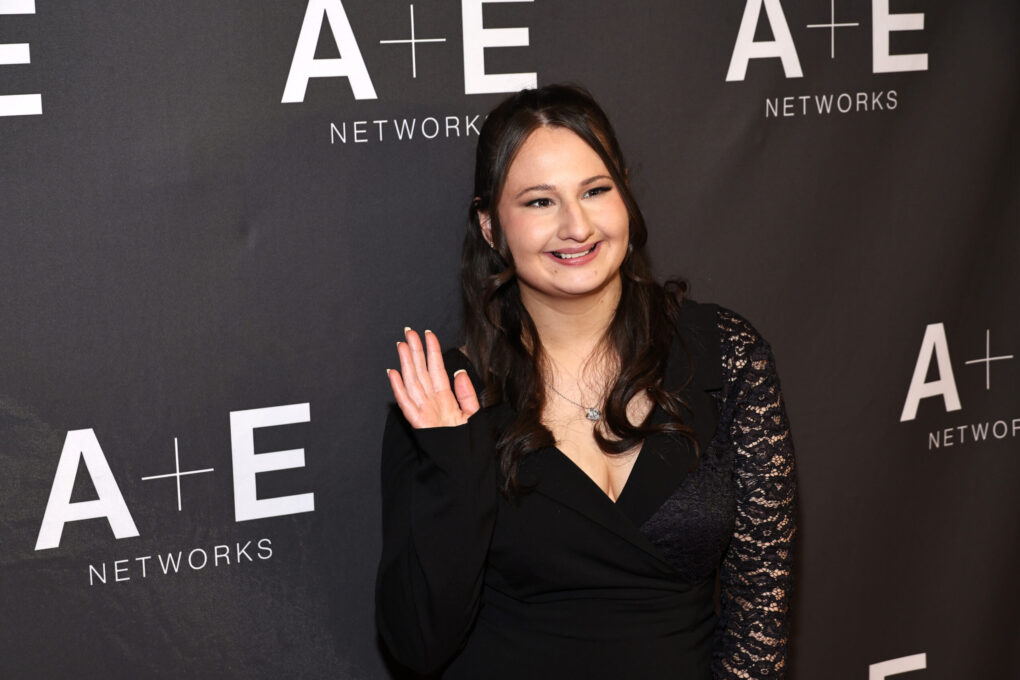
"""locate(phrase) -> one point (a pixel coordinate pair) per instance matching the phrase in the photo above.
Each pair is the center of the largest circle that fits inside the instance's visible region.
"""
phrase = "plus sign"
(177, 473)
(988, 359)
(414, 45)
(832, 26)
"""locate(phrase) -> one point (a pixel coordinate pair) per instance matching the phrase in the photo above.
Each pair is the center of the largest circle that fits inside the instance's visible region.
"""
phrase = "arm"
(756, 571)
(439, 507)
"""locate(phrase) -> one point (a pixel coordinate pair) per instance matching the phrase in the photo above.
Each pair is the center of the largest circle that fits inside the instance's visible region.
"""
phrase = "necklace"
(591, 413)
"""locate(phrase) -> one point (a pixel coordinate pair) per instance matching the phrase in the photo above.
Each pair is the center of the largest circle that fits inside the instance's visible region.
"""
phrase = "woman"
(605, 451)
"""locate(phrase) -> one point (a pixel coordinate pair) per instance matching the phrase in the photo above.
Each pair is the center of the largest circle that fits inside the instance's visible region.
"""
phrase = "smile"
(560, 255)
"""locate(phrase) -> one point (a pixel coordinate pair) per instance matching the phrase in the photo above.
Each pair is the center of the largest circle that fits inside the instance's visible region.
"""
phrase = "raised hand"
(422, 388)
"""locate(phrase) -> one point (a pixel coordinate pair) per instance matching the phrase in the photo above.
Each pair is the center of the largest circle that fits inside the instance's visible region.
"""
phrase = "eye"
(539, 203)
(596, 191)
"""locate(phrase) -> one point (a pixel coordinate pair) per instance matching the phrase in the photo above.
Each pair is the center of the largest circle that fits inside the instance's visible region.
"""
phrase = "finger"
(465, 391)
(418, 357)
(404, 401)
(409, 375)
(437, 370)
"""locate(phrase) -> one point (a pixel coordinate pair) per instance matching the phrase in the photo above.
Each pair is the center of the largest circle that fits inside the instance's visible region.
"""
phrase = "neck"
(571, 329)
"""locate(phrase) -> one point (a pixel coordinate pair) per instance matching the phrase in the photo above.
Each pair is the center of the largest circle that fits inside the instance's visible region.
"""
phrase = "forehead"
(552, 155)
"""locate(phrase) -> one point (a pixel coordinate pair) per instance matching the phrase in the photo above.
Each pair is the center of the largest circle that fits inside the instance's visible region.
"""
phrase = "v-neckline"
(653, 479)
(657, 418)
(626, 483)
(650, 481)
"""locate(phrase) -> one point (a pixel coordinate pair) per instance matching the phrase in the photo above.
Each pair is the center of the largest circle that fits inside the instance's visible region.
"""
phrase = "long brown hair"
(500, 336)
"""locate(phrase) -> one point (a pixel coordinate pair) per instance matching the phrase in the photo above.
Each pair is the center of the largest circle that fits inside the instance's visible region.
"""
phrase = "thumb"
(465, 391)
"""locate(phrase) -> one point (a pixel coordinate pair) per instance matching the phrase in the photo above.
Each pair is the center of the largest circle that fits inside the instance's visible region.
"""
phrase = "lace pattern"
(751, 638)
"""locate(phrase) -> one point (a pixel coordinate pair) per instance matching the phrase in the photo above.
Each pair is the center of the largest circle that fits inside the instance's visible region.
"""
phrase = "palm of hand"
(422, 387)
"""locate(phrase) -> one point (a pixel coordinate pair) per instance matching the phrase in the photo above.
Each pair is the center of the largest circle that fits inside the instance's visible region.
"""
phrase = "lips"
(575, 256)
(569, 255)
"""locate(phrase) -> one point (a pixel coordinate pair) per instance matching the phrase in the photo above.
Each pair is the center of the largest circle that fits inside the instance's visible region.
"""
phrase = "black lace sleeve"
(753, 627)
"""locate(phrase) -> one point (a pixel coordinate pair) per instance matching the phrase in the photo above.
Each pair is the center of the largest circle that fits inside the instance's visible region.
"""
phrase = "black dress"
(565, 583)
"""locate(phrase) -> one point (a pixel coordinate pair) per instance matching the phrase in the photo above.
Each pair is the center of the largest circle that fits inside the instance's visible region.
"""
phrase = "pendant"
(593, 414)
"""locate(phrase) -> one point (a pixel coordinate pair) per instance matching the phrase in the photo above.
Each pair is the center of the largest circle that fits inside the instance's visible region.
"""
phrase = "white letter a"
(934, 342)
(60, 509)
(305, 65)
(747, 49)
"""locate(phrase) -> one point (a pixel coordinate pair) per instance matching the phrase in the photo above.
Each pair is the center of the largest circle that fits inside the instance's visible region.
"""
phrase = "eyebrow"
(550, 187)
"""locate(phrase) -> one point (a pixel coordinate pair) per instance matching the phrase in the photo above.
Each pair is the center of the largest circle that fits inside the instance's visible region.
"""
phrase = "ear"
(485, 222)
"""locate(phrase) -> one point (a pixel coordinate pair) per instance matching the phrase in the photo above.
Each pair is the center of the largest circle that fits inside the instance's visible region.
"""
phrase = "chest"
(574, 435)
(669, 528)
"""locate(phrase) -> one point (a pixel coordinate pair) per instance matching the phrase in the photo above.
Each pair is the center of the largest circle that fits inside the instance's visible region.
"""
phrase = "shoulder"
(694, 354)
(746, 358)
(722, 342)
(737, 336)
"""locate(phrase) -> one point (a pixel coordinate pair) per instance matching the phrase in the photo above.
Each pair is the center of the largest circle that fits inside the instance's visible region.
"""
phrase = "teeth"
(571, 256)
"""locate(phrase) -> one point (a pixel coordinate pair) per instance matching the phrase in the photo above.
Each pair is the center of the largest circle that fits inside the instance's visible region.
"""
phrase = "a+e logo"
(246, 464)
(351, 65)
(883, 23)
(935, 346)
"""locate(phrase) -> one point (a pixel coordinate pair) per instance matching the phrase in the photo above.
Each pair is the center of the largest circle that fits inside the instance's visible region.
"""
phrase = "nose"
(575, 222)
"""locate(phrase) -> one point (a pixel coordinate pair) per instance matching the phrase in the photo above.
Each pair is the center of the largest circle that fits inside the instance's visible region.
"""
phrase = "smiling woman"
(563, 220)
(627, 452)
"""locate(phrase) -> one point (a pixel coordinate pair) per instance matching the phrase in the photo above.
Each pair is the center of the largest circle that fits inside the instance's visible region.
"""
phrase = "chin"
(583, 289)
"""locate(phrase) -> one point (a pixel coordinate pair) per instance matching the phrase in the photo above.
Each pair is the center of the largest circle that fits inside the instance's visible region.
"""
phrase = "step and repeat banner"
(216, 218)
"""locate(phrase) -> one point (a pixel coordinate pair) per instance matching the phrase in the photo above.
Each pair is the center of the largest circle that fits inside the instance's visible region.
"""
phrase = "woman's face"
(563, 218)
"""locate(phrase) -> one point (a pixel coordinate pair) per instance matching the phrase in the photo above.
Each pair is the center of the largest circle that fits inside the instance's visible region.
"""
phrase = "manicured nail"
(406, 329)
(458, 371)
(427, 330)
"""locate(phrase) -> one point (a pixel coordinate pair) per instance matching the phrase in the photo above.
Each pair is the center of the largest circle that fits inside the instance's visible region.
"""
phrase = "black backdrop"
(180, 247)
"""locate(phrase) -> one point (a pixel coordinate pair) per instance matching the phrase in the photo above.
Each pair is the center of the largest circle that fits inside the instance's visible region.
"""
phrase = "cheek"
(524, 233)
(618, 220)
(514, 242)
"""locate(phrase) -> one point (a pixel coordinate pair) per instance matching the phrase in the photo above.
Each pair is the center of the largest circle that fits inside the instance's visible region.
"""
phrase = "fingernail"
(398, 343)
(427, 330)
(406, 329)
(388, 372)
(458, 371)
